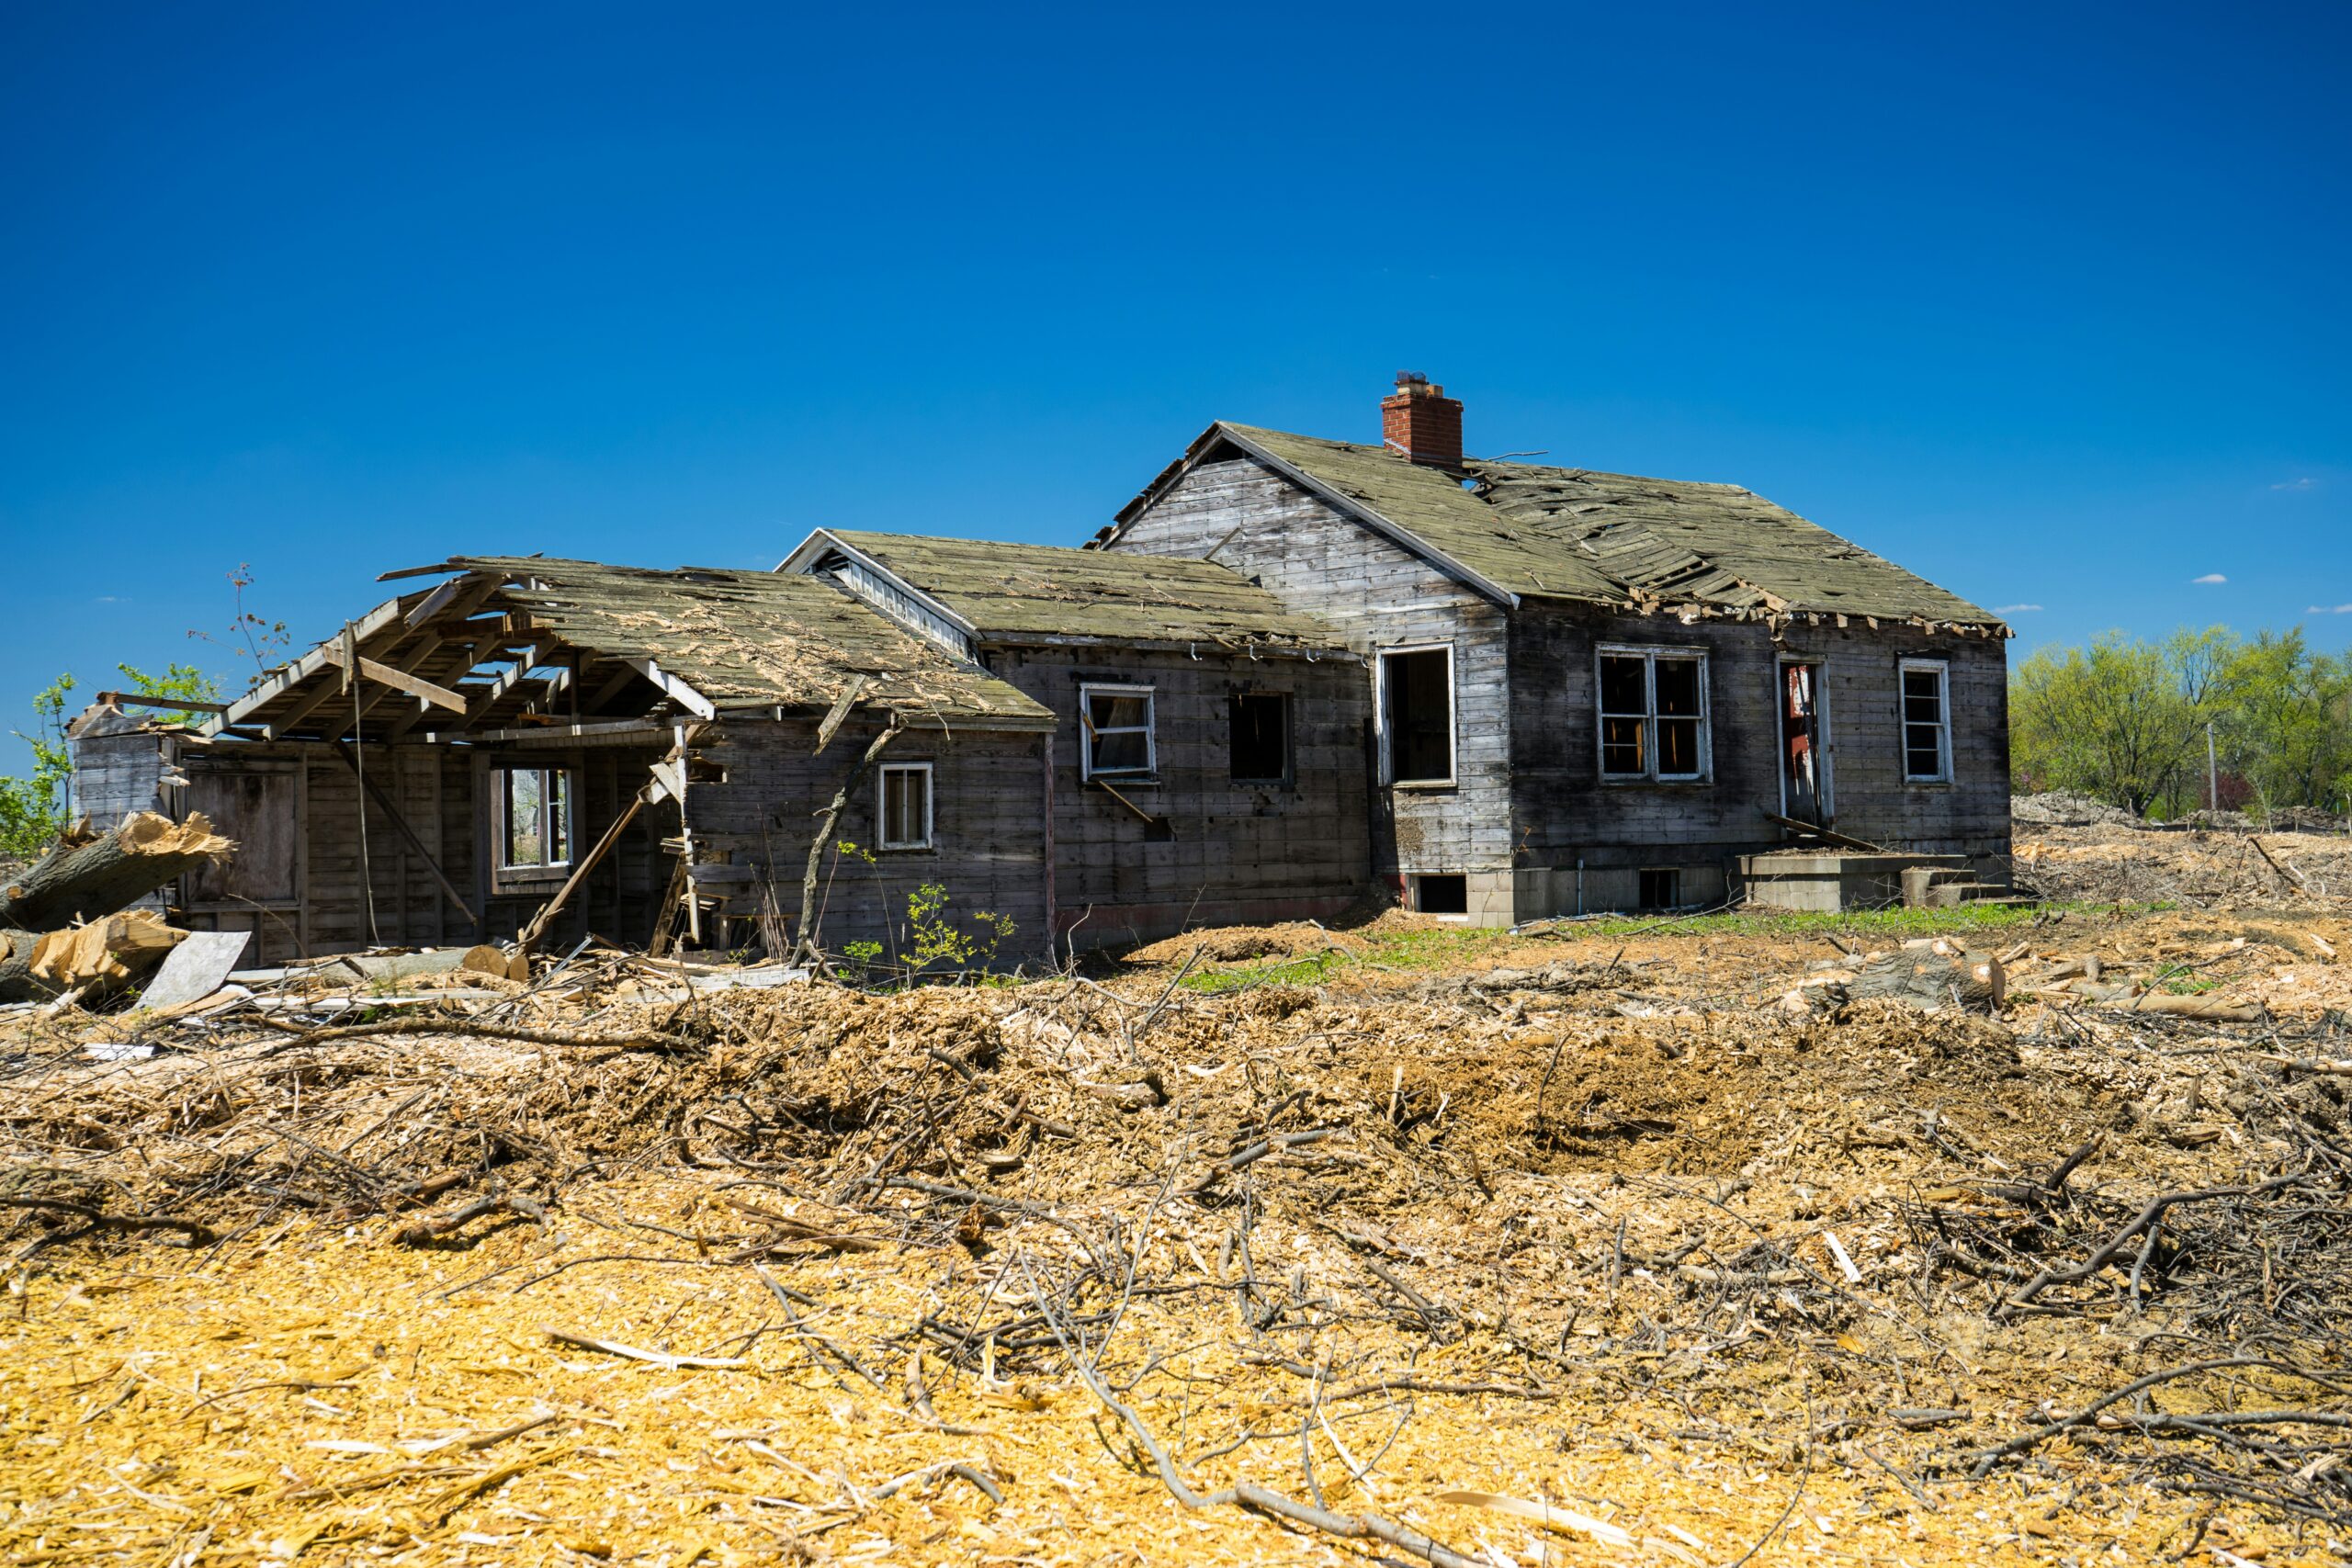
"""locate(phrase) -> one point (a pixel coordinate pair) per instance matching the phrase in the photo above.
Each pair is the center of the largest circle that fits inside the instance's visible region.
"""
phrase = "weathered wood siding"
(1564, 812)
(1225, 853)
(1376, 595)
(753, 826)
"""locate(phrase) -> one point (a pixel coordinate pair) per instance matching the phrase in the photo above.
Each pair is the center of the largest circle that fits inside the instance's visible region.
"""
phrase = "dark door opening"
(1417, 710)
(1661, 887)
(1803, 795)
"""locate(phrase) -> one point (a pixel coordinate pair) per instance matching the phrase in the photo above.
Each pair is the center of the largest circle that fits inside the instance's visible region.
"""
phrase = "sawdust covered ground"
(1587, 1222)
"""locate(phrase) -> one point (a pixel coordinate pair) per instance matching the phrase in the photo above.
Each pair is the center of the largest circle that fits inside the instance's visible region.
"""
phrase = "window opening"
(906, 805)
(534, 818)
(1661, 887)
(1446, 894)
(1804, 792)
(1259, 737)
(1927, 723)
(1652, 714)
(1117, 721)
(1417, 711)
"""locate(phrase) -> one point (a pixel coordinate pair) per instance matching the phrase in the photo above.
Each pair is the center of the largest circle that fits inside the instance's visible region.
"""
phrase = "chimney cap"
(1412, 378)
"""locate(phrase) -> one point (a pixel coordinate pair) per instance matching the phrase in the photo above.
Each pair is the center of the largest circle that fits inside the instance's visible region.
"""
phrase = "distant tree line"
(2128, 721)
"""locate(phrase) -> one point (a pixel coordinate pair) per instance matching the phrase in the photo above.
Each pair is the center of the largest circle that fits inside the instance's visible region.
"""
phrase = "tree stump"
(1933, 983)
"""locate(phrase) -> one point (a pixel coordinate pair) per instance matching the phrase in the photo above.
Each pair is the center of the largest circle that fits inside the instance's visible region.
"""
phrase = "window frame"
(502, 832)
(1649, 654)
(1941, 669)
(1452, 718)
(883, 842)
(1088, 733)
(1289, 740)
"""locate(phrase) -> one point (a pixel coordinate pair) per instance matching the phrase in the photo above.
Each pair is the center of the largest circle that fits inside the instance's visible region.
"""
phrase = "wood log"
(97, 959)
(1924, 979)
(115, 870)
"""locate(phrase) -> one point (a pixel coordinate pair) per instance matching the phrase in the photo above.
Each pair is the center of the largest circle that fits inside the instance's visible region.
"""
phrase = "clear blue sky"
(2048, 304)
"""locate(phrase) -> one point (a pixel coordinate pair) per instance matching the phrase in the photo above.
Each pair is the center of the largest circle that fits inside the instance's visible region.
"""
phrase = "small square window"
(1260, 739)
(1117, 725)
(905, 806)
(1661, 887)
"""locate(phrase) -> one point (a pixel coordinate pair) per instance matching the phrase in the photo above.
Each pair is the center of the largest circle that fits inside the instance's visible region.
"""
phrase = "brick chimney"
(1422, 423)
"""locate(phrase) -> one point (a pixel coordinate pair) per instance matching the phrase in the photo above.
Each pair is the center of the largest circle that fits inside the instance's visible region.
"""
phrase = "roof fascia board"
(823, 542)
(302, 668)
(1401, 537)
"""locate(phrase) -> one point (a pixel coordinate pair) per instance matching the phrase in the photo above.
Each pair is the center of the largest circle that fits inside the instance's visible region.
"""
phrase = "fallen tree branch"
(2148, 1215)
(641, 1040)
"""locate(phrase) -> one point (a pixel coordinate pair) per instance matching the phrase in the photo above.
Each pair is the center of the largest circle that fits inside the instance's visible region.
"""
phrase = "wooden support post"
(384, 804)
(553, 907)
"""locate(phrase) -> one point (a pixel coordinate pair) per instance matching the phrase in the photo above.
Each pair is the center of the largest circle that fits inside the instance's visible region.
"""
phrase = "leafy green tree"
(2123, 719)
(32, 809)
(2288, 728)
(184, 682)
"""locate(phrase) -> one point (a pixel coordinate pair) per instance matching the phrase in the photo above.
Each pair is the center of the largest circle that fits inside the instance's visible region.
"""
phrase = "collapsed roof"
(999, 591)
(1519, 530)
(511, 644)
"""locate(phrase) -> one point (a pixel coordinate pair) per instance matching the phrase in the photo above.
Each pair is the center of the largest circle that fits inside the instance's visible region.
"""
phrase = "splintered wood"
(1554, 1250)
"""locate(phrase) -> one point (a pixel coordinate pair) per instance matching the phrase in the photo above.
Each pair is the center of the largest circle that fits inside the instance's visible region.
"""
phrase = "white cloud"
(110, 599)
(2210, 577)
(2329, 610)
(2014, 609)
(2306, 482)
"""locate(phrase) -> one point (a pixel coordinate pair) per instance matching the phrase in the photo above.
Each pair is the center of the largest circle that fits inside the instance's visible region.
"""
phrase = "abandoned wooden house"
(635, 747)
(1293, 671)
(1599, 692)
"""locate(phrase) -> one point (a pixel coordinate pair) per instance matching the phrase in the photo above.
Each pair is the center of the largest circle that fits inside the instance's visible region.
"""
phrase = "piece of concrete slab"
(195, 968)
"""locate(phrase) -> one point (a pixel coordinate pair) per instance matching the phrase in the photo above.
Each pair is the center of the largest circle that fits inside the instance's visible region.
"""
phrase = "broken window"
(1416, 714)
(906, 805)
(1117, 722)
(534, 818)
(1927, 722)
(1652, 714)
(1259, 737)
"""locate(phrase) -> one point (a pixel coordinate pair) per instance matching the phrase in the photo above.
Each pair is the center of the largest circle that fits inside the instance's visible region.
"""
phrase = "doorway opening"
(1805, 733)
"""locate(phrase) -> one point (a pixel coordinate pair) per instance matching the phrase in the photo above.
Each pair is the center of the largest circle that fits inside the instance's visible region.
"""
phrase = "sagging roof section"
(509, 642)
(1525, 530)
(1020, 592)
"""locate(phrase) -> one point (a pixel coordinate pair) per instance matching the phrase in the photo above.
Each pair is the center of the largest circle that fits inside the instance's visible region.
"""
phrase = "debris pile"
(1591, 1250)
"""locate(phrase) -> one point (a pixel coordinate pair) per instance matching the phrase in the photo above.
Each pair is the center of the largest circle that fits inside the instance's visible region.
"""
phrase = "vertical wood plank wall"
(1226, 852)
(988, 827)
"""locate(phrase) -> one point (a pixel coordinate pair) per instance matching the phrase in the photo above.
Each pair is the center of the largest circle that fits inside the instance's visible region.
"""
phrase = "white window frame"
(1452, 718)
(882, 839)
(1088, 734)
(1649, 654)
(1941, 669)
(503, 841)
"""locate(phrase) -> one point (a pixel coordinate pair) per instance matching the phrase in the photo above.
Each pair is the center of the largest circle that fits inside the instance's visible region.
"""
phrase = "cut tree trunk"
(113, 871)
(1931, 981)
(97, 959)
